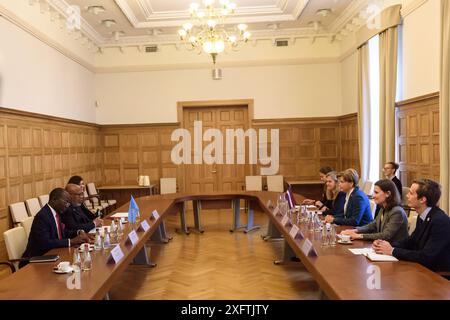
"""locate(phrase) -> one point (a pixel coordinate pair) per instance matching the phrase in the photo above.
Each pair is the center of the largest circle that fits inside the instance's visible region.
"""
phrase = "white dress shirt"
(346, 199)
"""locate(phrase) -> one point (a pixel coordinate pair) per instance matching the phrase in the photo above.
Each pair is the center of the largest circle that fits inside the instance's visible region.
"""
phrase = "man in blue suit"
(357, 207)
(48, 232)
(429, 244)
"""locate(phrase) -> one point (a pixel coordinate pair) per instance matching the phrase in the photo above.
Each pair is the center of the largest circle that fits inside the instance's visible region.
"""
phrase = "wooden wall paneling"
(349, 144)
(417, 123)
(308, 144)
(39, 153)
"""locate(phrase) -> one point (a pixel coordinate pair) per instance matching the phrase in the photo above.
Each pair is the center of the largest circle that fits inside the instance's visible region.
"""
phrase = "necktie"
(59, 226)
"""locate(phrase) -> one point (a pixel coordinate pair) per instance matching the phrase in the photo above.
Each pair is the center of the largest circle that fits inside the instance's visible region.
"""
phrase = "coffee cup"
(345, 238)
(64, 266)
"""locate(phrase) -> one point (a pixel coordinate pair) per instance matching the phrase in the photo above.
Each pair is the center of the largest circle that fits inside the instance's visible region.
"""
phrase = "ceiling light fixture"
(206, 29)
(323, 12)
(109, 23)
(96, 9)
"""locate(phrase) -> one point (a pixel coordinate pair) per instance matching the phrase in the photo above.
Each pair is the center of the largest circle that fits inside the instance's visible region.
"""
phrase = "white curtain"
(364, 110)
(444, 106)
(388, 85)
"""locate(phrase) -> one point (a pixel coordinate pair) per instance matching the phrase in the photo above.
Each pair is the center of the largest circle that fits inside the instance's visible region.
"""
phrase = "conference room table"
(339, 273)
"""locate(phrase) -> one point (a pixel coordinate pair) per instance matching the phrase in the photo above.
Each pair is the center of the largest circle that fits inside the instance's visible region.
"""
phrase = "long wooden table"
(340, 274)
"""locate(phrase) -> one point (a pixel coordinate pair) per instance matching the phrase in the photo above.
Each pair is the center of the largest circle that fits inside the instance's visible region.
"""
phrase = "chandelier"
(206, 30)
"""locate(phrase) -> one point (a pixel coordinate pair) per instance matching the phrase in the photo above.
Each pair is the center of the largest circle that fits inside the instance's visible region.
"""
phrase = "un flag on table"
(133, 211)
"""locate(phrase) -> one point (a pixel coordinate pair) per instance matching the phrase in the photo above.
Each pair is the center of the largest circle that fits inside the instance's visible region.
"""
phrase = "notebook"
(51, 258)
(379, 257)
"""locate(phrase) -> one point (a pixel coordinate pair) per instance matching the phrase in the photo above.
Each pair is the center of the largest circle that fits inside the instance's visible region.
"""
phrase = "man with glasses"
(78, 217)
(48, 232)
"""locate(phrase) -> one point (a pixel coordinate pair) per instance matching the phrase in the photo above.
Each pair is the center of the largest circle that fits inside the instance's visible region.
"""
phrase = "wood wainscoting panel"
(417, 137)
(349, 145)
(39, 153)
(130, 151)
(308, 144)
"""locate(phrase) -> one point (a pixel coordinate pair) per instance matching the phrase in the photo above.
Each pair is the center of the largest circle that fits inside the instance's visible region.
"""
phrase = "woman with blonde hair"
(335, 197)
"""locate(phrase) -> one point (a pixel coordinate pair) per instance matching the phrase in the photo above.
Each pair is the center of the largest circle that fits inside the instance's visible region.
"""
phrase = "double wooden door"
(215, 177)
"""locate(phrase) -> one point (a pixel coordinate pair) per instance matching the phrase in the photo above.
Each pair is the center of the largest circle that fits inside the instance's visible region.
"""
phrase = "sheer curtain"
(364, 110)
(388, 85)
(444, 106)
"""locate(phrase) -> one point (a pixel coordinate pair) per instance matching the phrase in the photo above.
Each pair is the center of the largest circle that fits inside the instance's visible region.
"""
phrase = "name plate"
(155, 215)
(276, 211)
(133, 238)
(308, 249)
(285, 221)
(116, 254)
(144, 226)
(295, 232)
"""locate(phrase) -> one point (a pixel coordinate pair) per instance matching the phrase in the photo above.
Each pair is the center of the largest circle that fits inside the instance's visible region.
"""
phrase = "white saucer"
(342, 242)
(62, 272)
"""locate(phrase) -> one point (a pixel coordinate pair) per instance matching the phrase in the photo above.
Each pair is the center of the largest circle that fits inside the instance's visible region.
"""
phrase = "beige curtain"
(388, 85)
(444, 106)
(364, 110)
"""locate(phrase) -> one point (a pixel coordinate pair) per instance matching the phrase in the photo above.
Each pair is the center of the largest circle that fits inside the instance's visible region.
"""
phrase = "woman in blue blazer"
(357, 207)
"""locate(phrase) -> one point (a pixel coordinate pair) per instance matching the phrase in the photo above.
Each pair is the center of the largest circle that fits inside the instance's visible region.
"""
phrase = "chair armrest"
(9, 264)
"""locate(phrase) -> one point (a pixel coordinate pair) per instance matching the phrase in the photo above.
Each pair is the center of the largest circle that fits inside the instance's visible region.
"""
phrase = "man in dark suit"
(77, 216)
(429, 244)
(47, 231)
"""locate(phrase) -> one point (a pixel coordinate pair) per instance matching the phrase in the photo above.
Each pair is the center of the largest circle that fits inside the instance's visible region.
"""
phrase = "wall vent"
(282, 43)
(149, 49)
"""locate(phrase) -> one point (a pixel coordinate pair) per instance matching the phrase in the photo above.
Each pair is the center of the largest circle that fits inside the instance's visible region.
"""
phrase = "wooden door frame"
(181, 105)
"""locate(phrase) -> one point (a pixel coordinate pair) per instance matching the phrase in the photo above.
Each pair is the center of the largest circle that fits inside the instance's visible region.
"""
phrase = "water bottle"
(325, 236)
(76, 262)
(119, 229)
(106, 240)
(87, 261)
(317, 223)
(98, 240)
(311, 226)
(113, 232)
(333, 235)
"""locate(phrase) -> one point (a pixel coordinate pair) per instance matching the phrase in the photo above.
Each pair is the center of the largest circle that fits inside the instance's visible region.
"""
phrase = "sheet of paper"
(120, 215)
(362, 251)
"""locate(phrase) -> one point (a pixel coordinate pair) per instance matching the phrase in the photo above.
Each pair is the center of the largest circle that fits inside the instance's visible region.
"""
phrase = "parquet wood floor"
(216, 265)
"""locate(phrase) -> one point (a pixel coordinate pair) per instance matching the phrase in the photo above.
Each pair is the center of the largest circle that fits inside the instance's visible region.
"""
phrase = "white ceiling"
(157, 21)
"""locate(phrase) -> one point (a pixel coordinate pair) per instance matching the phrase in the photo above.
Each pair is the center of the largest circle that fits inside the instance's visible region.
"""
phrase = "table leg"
(250, 216)
(236, 207)
(288, 253)
(272, 233)
(183, 218)
(197, 209)
(142, 258)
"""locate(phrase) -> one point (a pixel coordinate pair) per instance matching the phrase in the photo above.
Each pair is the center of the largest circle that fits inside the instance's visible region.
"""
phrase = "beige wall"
(37, 78)
(421, 38)
(349, 80)
(278, 91)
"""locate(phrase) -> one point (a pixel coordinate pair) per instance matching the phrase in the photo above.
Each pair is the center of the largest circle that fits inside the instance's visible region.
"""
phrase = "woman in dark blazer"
(391, 224)
(323, 171)
(357, 207)
(336, 198)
